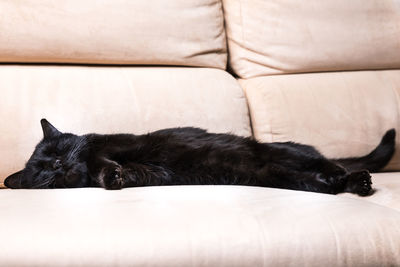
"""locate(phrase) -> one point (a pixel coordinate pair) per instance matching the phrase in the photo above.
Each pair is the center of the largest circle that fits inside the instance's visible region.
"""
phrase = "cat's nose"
(57, 164)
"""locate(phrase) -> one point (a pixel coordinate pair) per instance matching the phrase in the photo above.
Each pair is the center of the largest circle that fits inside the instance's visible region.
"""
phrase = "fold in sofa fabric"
(341, 113)
(289, 36)
(155, 32)
(131, 100)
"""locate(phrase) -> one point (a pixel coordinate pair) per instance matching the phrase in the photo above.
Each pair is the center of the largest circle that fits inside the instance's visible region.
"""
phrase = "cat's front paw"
(359, 183)
(111, 177)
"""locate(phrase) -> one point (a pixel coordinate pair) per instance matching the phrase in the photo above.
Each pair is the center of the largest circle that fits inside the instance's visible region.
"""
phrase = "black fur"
(192, 156)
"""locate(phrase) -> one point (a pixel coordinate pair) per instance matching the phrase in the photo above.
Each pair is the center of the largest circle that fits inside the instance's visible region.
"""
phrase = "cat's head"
(58, 161)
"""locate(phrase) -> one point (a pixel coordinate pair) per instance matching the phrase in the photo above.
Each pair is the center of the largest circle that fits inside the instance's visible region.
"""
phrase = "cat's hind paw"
(359, 183)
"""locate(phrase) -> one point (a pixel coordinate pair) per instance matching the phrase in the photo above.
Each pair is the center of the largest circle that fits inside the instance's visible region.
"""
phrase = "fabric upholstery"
(112, 100)
(289, 36)
(155, 32)
(194, 226)
(342, 114)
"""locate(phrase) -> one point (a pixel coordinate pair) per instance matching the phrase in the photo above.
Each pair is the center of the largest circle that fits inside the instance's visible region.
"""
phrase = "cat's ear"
(14, 180)
(48, 129)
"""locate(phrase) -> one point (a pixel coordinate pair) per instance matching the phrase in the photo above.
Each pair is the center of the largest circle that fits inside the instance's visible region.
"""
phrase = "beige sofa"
(325, 73)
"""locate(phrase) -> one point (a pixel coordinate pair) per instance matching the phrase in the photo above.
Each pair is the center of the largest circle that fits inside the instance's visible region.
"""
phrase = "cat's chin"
(71, 180)
(74, 180)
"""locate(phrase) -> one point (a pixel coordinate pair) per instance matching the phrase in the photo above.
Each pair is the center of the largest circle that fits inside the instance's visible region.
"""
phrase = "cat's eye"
(57, 164)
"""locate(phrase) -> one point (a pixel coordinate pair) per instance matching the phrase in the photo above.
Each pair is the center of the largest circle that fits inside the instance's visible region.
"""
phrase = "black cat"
(192, 156)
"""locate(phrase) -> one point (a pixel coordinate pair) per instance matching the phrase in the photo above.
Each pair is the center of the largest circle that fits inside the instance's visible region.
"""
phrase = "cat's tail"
(375, 160)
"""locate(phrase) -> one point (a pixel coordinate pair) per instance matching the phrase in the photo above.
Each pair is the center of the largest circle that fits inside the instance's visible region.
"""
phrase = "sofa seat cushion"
(155, 32)
(112, 100)
(342, 114)
(387, 190)
(288, 36)
(194, 226)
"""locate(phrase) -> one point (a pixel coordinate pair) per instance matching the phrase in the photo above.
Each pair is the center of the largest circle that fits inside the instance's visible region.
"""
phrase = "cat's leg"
(357, 182)
(115, 176)
(108, 173)
(273, 175)
(278, 176)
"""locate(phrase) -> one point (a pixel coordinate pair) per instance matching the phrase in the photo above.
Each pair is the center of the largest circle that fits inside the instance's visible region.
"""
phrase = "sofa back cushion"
(112, 100)
(342, 114)
(156, 32)
(293, 36)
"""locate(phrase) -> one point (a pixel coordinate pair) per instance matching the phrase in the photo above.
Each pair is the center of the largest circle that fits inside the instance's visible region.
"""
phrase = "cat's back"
(197, 138)
(172, 140)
